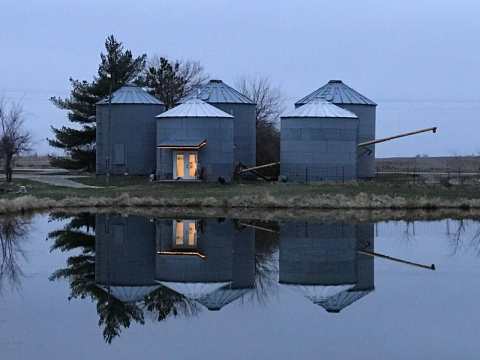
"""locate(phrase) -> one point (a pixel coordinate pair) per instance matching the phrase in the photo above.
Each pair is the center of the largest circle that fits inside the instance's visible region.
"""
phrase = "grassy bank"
(131, 191)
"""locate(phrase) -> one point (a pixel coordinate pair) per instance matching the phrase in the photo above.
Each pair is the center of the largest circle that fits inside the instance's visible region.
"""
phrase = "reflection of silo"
(206, 270)
(243, 272)
(365, 273)
(318, 259)
(125, 256)
(322, 262)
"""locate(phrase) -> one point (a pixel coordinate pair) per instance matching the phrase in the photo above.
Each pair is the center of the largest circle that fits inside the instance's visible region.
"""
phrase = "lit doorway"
(184, 234)
(185, 165)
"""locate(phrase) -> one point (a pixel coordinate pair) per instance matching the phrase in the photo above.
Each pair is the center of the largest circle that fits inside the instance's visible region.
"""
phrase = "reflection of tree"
(164, 302)
(266, 265)
(458, 241)
(13, 229)
(78, 236)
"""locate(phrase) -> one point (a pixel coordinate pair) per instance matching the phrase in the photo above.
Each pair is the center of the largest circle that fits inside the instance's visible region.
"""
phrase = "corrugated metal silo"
(194, 141)
(338, 93)
(318, 143)
(125, 135)
(227, 99)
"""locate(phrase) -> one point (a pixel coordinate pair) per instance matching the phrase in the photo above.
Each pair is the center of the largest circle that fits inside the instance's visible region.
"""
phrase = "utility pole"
(109, 148)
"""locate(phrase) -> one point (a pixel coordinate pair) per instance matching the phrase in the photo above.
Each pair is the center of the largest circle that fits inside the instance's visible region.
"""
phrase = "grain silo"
(125, 256)
(227, 99)
(319, 143)
(338, 93)
(125, 135)
(194, 142)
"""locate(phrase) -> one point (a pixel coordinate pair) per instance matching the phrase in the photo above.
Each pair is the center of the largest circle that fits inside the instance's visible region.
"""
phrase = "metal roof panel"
(194, 108)
(131, 94)
(320, 108)
(216, 91)
(337, 92)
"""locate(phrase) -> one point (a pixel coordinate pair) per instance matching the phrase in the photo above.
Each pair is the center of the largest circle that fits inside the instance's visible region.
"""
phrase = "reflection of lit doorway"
(184, 234)
(185, 165)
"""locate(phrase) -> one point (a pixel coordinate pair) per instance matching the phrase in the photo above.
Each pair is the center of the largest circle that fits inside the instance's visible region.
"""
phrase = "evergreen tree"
(172, 80)
(117, 67)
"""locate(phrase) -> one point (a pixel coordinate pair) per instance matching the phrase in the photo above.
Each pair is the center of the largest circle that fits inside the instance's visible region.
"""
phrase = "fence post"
(306, 175)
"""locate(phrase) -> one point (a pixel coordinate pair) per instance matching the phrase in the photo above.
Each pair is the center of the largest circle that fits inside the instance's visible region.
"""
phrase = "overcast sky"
(418, 59)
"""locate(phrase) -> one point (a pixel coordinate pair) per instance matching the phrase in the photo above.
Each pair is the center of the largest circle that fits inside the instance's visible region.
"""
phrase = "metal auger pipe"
(372, 142)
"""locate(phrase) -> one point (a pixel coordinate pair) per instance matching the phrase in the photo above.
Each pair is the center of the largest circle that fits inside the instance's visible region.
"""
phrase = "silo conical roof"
(194, 108)
(219, 298)
(216, 91)
(341, 300)
(130, 294)
(319, 293)
(320, 108)
(335, 91)
(193, 290)
(131, 94)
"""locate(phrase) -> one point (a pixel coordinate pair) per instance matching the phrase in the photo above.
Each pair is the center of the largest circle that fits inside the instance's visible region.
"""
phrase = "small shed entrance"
(185, 165)
(185, 154)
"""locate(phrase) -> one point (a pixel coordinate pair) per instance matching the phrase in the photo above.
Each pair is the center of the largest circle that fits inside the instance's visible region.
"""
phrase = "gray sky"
(417, 59)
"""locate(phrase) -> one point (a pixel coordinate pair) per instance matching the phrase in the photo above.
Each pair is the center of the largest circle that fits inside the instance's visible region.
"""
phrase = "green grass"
(141, 187)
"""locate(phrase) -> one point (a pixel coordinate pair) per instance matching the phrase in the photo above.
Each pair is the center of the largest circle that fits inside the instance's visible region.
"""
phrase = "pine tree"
(171, 80)
(117, 67)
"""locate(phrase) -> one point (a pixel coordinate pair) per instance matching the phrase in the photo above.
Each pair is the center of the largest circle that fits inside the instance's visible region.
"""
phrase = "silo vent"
(335, 82)
(216, 81)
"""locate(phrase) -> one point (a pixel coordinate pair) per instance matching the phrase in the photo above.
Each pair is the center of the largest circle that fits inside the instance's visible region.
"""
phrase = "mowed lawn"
(141, 187)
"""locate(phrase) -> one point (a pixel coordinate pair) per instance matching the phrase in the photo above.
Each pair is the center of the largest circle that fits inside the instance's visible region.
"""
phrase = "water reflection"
(13, 231)
(323, 262)
(134, 266)
(211, 261)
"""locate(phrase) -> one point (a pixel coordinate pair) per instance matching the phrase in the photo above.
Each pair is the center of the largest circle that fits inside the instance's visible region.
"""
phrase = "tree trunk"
(8, 168)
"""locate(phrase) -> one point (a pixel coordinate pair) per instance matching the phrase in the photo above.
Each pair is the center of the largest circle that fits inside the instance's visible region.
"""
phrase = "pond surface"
(112, 286)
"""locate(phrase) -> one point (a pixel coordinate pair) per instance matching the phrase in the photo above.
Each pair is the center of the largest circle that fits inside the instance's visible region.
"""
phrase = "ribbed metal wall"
(216, 157)
(244, 133)
(133, 129)
(318, 149)
(366, 132)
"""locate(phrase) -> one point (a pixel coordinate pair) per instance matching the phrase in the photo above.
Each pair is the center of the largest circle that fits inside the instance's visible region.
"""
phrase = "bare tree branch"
(14, 139)
(270, 105)
(269, 99)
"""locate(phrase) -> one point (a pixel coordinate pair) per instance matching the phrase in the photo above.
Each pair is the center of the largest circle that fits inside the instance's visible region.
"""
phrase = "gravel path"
(56, 180)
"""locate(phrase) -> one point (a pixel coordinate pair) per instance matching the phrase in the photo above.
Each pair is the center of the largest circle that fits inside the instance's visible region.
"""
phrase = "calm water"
(111, 286)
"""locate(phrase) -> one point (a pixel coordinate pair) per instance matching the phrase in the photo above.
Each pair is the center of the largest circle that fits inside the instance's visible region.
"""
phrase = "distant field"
(429, 164)
(33, 162)
(400, 164)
